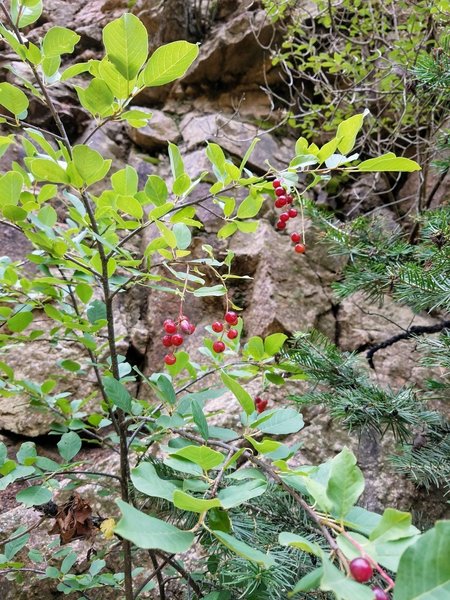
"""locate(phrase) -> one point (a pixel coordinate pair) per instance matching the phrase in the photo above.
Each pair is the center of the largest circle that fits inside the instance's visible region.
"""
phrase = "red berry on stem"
(280, 191)
(284, 217)
(218, 347)
(300, 248)
(361, 570)
(380, 594)
(191, 328)
(185, 326)
(261, 405)
(280, 202)
(169, 326)
(177, 339)
(231, 317)
(289, 199)
(232, 334)
(280, 225)
(292, 213)
(170, 359)
(276, 183)
(167, 341)
(217, 326)
(296, 237)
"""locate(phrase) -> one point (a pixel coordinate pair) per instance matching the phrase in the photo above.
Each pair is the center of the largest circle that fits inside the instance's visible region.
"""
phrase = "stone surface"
(160, 130)
(235, 137)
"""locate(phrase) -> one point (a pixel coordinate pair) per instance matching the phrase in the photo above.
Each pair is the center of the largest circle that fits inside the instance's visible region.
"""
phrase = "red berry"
(380, 594)
(177, 339)
(231, 317)
(289, 199)
(217, 326)
(292, 213)
(258, 399)
(361, 570)
(167, 341)
(296, 237)
(280, 202)
(185, 326)
(300, 248)
(191, 328)
(170, 359)
(280, 191)
(218, 347)
(276, 183)
(169, 326)
(261, 405)
(232, 334)
(280, 225)
(284, 217)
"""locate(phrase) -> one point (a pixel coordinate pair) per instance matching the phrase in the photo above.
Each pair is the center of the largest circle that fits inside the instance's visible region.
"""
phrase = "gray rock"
(160, 130)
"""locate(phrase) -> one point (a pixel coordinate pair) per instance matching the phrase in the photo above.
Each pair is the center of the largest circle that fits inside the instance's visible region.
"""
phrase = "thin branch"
(413, 331)
(173, 563)
(159, 577)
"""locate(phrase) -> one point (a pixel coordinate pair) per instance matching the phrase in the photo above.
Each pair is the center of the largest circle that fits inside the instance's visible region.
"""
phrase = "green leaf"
(117, 83)
(136, 118)
(176, 161)
(345, 483)
(244, 550)
(280, 421)
(59, 40)
(26, 13)
(250, 206)
(241, 395)
(148, 532)
(227, 230)
(130, 206)
(389, 162)
(203, 456)
(69, 445)
(126, 44)
(199, 419)
(34, 496)
(300, 542)
(125, 181)
(90, 164)
(11, 184)
(309, 582)
(169, 62)
(344, 588)
(27, 453)
(96, 311)
(192, 504)
(146, 480)
(182, 235)
(117, 393)
(213, 290)
(394, 525)
(347, 132)
(19, 321)
(234, 495)
(48, 170)
(97, 98)
(255, 347)
(156, 190)
(84, 292)
(424, 569)
(3, 454)
(13, 99)
(328, 149)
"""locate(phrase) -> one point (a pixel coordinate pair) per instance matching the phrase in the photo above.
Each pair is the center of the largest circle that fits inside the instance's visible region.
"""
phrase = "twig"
(173, 563)
(149, 578)
(409, 333)
(157, 571)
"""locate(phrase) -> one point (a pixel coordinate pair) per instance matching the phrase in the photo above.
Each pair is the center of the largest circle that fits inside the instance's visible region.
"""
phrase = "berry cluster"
(283, 200)
(297, 239)
(260, 404)
(231, 319)
(361, 570)
(173, 338)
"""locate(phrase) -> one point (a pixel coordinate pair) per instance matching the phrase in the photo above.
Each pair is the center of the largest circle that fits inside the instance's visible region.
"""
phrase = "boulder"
(155, 136)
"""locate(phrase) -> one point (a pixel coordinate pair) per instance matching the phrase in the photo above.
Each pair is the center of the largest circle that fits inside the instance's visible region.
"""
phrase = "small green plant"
(195, 492)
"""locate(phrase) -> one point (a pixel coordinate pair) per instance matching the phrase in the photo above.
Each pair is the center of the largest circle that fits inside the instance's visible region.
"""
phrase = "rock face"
(160, 130)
